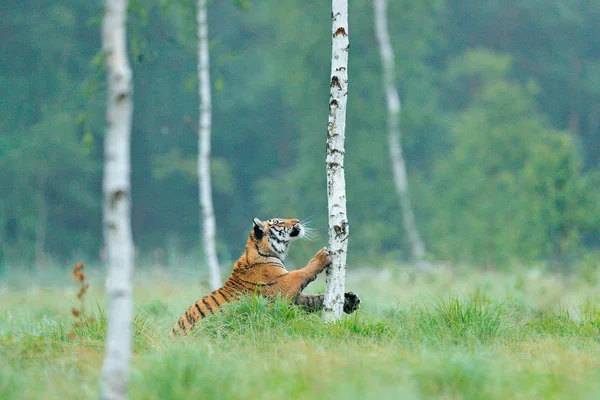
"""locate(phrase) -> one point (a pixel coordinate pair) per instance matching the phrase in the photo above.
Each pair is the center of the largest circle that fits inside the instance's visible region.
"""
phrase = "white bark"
(336, 182)
(206, 203)
(394, 136)
(116, 203)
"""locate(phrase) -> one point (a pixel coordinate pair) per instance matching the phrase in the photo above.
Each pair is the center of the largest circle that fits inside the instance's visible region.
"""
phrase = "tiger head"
(273, 237)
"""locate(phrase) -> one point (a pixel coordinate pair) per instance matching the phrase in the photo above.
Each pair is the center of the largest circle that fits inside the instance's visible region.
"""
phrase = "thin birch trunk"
(339, 228)
(116, 203)
(394, 136)
(42, 226)
(205, 188)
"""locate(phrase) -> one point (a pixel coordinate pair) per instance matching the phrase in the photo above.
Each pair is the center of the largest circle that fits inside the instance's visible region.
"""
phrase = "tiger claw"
(324, 255)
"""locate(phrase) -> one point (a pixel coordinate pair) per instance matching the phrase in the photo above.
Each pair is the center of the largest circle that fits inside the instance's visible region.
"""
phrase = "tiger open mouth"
(295, 232)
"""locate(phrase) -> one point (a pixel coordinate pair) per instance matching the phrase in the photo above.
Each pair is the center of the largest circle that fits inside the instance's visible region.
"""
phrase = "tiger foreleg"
(309, 302)
(316, 265)
(294, 282)
(314, 302)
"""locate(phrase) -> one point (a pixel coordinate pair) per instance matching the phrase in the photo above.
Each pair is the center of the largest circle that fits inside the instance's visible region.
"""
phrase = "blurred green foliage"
(510, 188)
(500, 121)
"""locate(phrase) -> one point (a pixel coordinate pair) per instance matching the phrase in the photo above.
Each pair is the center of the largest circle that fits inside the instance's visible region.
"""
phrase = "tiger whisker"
(307, 222)
(310, 234)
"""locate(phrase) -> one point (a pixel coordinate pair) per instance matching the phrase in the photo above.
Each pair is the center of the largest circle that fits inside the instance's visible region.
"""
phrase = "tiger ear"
(259, 228)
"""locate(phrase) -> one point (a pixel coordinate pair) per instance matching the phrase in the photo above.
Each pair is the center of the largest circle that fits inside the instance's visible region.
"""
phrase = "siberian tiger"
(261, 270)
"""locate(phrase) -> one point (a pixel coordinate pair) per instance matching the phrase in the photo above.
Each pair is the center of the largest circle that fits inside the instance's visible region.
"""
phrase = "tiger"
(261, 270)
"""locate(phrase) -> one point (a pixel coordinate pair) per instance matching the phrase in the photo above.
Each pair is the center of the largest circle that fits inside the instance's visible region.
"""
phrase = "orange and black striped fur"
(261, 270)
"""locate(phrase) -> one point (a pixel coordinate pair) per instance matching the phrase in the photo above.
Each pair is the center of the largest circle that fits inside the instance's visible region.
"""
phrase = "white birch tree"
(117, 203)
(339, 228)
(205, 187)
(394, 134)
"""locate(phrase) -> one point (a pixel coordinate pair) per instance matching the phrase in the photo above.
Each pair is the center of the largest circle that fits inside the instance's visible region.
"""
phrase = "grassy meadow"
(449, 333)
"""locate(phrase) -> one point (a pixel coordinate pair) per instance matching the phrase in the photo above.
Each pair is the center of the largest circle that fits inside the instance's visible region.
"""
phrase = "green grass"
(443, 335)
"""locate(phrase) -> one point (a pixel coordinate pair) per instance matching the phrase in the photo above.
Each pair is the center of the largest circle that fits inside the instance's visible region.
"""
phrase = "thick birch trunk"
(339, 228)
(206, 203)
(116, 203)
(393, 106)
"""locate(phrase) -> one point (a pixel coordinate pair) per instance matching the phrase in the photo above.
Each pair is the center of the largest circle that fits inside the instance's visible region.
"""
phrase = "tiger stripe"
(215, 300)
(213, 305)
(202, 315)
(189, 317)
(239, 288)
(207, 305)
(227, 299)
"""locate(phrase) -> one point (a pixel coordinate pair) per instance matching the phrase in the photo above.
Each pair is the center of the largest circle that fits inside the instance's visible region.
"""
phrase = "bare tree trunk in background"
(206, 203)
(393, 106)
(42, 226)
(116, 203)
(339, 228)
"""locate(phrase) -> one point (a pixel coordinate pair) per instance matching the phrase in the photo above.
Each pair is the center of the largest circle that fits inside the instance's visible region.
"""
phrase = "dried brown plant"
(79, 312)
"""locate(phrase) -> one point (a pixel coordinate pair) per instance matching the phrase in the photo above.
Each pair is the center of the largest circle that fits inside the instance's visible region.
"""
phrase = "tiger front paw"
(351, 302)
(323, 257)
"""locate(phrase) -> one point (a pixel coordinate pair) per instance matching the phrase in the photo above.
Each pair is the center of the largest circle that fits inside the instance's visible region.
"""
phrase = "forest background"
(500, 123)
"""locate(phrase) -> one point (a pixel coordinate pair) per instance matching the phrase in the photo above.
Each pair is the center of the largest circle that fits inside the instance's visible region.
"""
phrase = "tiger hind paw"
(351, 302)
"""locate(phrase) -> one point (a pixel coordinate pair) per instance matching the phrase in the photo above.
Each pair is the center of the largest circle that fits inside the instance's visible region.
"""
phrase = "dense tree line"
(500, 120)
